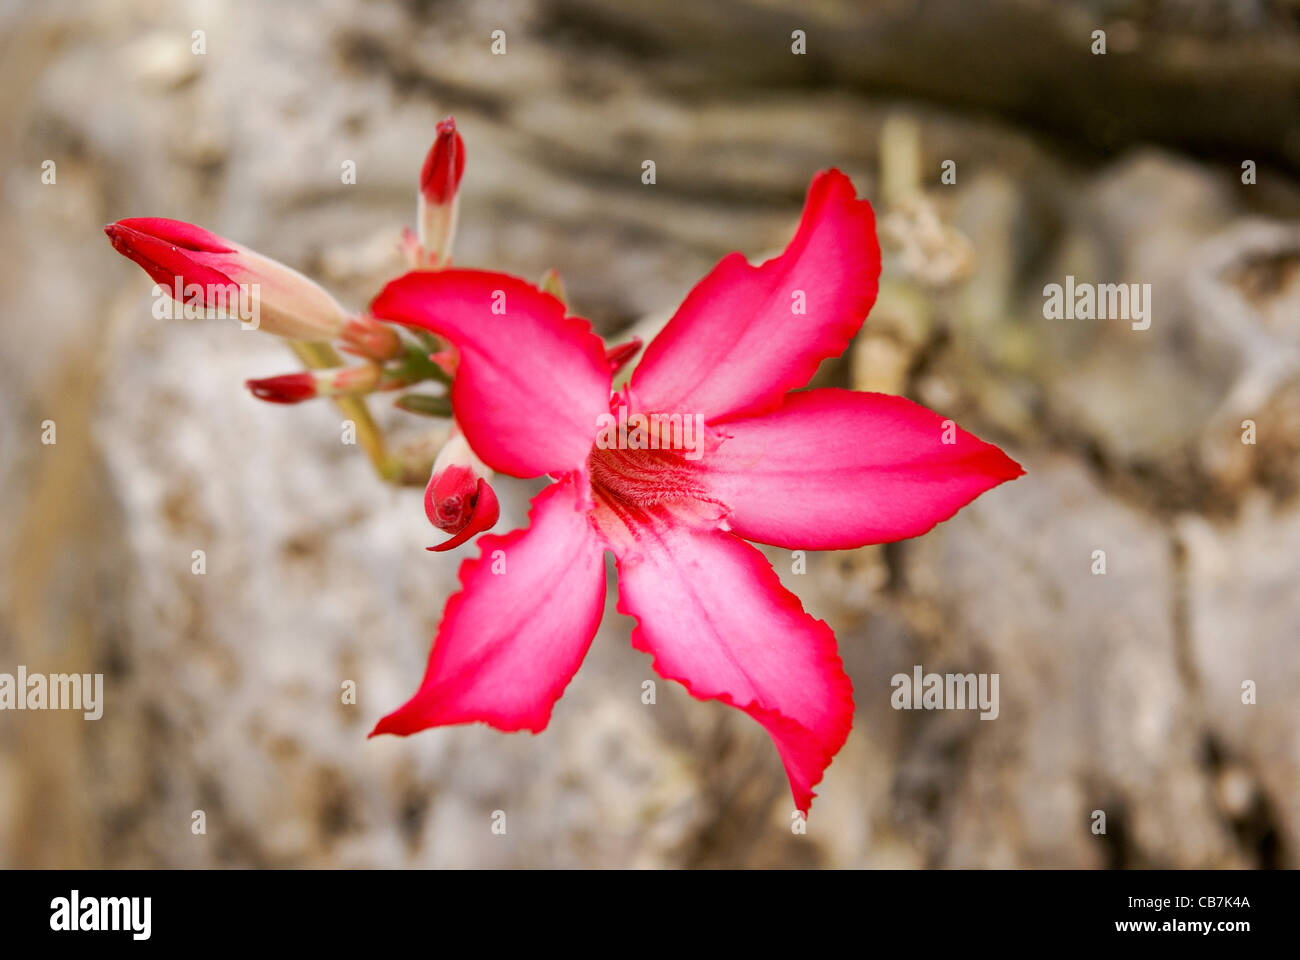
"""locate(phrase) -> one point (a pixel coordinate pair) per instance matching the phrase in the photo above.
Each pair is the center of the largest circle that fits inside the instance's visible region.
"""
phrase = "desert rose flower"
(823, 469)
(439, 189)
(196, 267)
(459, 499)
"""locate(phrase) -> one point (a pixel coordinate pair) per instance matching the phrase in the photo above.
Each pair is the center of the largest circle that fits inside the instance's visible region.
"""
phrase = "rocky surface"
(1121, 691)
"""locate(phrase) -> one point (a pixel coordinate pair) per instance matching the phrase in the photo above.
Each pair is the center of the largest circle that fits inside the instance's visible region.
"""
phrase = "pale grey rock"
(1095, 714)
(1242, 615)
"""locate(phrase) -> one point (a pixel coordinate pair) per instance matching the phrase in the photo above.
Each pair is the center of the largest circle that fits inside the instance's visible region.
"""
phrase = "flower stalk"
(321, 356)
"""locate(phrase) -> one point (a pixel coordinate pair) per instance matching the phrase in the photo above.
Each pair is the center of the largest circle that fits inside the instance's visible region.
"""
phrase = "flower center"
(452, 513)
(644, 478)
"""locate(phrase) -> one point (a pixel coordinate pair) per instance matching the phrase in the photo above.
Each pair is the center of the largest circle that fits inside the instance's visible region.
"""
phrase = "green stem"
(320, 356)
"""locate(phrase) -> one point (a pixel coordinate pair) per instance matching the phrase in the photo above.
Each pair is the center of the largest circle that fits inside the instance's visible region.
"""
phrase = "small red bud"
(286, 388)
(437, 202)
(444, 165)
(617, 357)
(306, 384)
(449, 498)
(458, 498)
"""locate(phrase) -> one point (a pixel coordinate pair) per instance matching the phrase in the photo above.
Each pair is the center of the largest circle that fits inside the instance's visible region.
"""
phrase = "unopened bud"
(459, 499)
(364, 336)
(339, 382)
(439, 188)
(617, 357)
(198, 268)
(286, 388)
(553, 284)
(444, 165)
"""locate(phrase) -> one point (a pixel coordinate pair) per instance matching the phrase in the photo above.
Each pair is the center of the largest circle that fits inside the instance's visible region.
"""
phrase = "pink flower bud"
(364, 336)
(339, 382)
(444, 166)
(286, 388)
(194, 266)
(439, 181)
(449, 498)
(617, 357)
(458, 498)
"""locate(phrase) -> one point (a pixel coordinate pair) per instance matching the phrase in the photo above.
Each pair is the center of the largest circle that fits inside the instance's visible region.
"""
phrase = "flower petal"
(835, 469)
(716, 618)
(739, 342)
(514, 636)
(164, 248)
(530, 383)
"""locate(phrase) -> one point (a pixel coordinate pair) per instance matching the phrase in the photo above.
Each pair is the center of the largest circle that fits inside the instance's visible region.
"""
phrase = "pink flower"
(194, 265)
(821, 469)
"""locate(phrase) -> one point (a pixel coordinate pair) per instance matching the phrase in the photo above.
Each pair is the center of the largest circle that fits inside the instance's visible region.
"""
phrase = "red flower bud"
(338, 382)
(617, 357)
(439, 180)
(286, 388)
(196, 267)
(449, 498)
(444, 166)
(458, 498)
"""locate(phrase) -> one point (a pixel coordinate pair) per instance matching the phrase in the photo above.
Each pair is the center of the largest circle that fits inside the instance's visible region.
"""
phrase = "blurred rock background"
(1120, 692)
